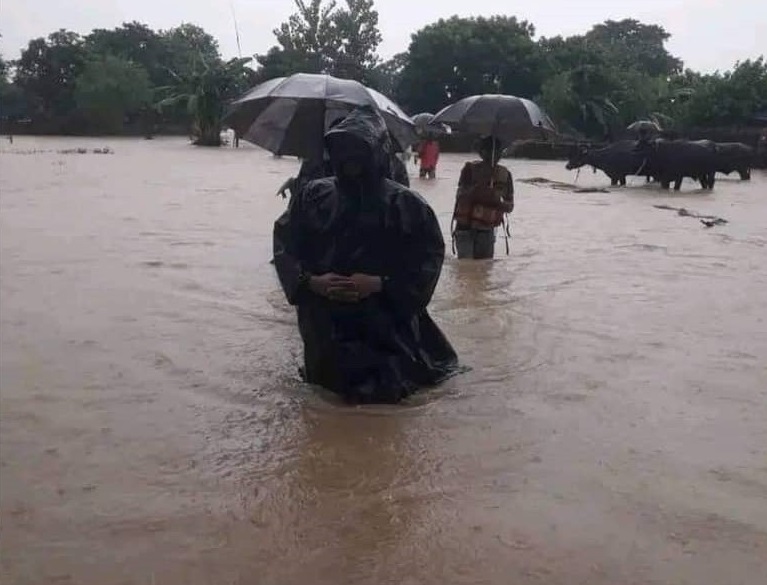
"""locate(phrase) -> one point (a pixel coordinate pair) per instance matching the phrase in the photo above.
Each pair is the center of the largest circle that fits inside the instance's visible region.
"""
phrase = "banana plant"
(206, 91)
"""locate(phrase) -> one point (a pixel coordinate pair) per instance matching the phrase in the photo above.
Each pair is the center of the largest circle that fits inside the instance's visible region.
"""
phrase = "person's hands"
(345, 289)
(333, 286)
(366, 284)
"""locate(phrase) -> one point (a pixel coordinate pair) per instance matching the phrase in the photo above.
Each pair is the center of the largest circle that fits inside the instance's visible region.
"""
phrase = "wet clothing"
(311, 170)
(475, 244)
(398, 171)
(481, 190)
(383, 348)
(428, 155)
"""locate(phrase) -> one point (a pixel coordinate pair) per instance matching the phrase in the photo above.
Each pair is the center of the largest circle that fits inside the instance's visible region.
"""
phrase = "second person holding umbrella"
(485, 189)
(485, 195)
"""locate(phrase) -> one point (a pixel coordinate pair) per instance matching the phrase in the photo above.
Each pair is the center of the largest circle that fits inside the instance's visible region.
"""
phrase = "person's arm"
(296, 281)
(286, 249)
(288, 185)
(465, 185)
(409, 287)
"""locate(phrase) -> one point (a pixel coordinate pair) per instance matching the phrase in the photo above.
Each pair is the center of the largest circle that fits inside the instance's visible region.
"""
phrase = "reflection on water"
(611, 429)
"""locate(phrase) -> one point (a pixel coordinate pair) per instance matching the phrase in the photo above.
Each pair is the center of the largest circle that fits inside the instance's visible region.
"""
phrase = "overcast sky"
(707, 34)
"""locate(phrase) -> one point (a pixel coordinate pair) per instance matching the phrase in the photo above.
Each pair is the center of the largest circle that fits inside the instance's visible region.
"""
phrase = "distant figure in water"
(485, 195)
(359, 256)
(428, 155)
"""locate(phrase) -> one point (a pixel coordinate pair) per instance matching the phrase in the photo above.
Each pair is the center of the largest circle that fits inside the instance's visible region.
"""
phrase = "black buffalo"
(673, 160)
(734, 156)
(617, 161)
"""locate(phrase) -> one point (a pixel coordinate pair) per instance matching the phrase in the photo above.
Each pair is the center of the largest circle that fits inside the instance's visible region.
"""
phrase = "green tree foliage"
(632, 45)
(602, 81)
(100, 80)
(205, 91)
(593, 84)
(321, 37)
(454, 58)
(109, 89)
(308, 42)
(136, 43)
(730, 98)
(185, 47)
(386, 75)
(12, 104)
(356, 28)
(47, 70)
(581, 99)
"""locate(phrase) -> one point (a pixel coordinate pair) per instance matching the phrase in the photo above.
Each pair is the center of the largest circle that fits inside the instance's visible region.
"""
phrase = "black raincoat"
(312, 170)
(385, 347)
(398, 171)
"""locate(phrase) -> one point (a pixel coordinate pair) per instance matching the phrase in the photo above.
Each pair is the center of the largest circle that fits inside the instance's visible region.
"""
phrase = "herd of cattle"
(667, 161)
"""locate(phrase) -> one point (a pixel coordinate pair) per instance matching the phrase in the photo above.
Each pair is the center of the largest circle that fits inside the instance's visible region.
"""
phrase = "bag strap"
(453, 227)
(506, 230)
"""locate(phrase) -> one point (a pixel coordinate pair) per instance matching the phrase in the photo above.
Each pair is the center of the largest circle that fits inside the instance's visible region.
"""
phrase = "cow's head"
(579, 156)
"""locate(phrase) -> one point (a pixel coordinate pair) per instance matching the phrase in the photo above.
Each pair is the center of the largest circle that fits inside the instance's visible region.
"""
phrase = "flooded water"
(613, 429)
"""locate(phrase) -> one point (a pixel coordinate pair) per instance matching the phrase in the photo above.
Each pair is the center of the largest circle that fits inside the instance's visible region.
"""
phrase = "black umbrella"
(422, 119)
(425, 126)
(506, 117)
(642, 126)
(289, 115)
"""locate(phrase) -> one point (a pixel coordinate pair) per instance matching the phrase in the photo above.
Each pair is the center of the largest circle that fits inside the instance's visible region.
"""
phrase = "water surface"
(154, 429)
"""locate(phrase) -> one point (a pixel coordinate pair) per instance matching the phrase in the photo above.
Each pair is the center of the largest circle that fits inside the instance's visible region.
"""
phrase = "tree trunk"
(208, 135)
(208, 140)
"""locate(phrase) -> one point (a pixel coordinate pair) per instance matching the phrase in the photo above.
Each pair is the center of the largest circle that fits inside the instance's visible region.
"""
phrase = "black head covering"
(362, 135)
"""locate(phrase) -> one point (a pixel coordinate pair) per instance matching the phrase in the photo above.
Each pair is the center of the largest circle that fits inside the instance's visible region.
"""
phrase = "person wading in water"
(485, 195)
(428, 155)
(359, 256)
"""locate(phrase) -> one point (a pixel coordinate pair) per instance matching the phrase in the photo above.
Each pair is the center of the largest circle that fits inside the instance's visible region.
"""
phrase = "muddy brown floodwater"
(613, 429)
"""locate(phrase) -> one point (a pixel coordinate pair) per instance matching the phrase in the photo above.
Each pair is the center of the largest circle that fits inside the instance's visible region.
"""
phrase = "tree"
(630, 44)
(356, 27)
(308, 42)
(581, 98)
(137, 43)
(185, 47)
(322, 38)
(602, 81)
(385, 77)
(729, 98)
(47, 70)
(566, 54)
(109, 89)
(279, 62)
(205, 92)
(454, 58)
(12, 104)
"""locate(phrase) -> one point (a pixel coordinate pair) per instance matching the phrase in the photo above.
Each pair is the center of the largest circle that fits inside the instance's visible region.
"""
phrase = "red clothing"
(428, 153)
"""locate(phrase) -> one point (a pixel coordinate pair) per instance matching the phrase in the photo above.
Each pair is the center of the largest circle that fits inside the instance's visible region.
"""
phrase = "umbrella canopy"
(425, 126)
(644, 126)
(506, 117)
(422, 120)
(290, 115)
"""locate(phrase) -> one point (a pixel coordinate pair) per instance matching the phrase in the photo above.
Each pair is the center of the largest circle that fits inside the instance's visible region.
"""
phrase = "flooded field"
(153, 428)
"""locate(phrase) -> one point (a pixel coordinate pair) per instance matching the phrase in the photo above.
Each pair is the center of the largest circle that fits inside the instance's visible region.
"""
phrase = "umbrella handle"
(492, 169)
